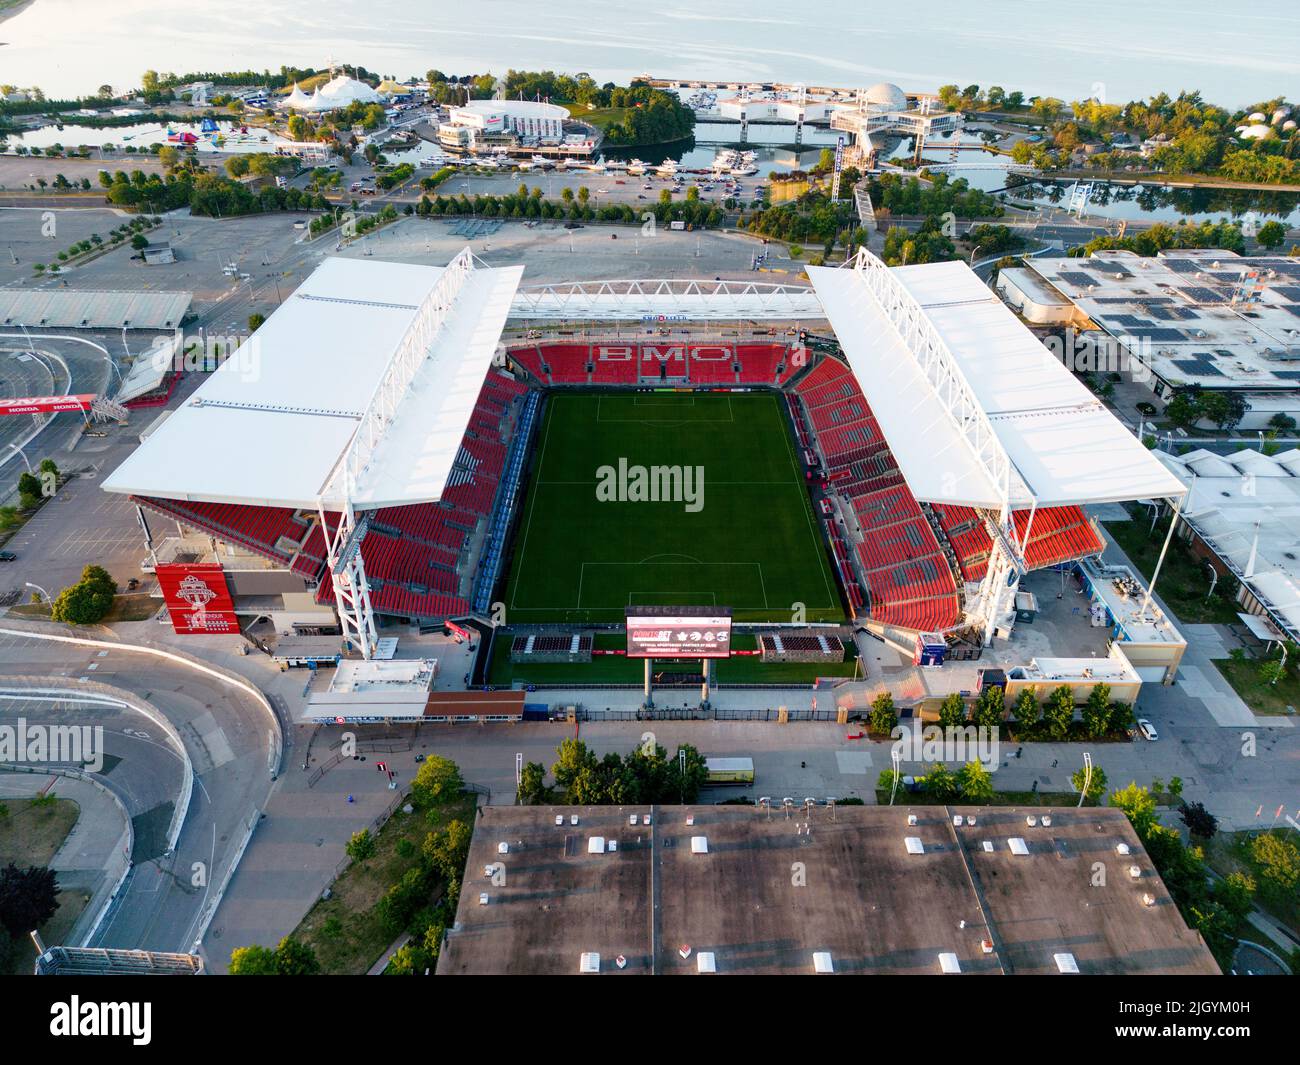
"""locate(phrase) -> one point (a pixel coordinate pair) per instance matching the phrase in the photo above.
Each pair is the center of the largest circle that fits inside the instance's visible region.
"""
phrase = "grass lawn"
(611, 669)
(134, 607)
(1229, 852)
(752, 544)
(1184, 581)
(601, 117)
(30, 834)
(353, 940)
(1255, 692)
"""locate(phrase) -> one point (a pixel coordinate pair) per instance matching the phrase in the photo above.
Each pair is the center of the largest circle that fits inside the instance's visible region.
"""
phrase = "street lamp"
(40, 591)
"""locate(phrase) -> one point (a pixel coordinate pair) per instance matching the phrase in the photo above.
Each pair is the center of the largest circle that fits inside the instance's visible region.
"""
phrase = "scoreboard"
(678, 632)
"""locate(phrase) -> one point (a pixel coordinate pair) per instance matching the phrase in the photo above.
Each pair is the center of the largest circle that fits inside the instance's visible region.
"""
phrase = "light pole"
(40, 591)
(1087, 777)
(896, 758)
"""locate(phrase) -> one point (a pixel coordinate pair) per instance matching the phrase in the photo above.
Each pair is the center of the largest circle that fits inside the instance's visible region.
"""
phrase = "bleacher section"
(413, 555)
(909, 580)
(1058, 534)
(630, 364)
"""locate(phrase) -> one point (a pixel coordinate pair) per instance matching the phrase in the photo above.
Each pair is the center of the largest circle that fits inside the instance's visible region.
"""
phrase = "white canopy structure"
(336, 93)
(976, 410)
(273, 425)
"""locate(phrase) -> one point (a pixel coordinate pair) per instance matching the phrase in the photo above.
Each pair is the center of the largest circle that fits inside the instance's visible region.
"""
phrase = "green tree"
(29, 485)
(952, 711)
(1277, 866)
(255, 322)
(1096, 712)
(1236, 894)
(437, 781)
(1271, 234)
(941, 782)
(686, 789)
(1096, 786)
(252, 961)
(1058, 712)
(447, 850)
(28, 898)
(87, 601)
(1138, 805)
(975, 783)
(361, 846)
(1121, 717)
(1026, 709)
(295, 958)
(532, 784)
(883, 718)
(990, 707)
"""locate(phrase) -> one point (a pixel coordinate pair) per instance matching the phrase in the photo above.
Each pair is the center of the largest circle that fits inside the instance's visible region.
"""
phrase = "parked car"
(1147, 729)
(8, 556)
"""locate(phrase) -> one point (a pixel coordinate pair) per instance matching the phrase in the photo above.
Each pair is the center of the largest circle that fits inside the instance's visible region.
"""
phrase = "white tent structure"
(339, 92)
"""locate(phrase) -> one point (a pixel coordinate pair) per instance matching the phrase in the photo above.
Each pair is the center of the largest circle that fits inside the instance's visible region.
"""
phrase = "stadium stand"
(908, 578)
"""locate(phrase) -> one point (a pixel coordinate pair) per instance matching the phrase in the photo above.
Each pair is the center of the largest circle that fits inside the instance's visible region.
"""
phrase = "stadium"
(405, 445)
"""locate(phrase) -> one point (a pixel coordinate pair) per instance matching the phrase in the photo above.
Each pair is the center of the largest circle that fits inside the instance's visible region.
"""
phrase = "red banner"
(197, 598)
(45, 404)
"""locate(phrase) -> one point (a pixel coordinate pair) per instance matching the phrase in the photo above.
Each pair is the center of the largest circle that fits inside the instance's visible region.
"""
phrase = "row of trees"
(646, 775)
(694, 212)
(1053, 719)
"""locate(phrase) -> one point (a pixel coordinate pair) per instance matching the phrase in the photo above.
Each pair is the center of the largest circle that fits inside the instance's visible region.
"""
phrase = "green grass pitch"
(754, 545)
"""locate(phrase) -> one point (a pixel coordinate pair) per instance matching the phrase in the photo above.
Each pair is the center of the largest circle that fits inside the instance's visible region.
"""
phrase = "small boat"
(635, 166)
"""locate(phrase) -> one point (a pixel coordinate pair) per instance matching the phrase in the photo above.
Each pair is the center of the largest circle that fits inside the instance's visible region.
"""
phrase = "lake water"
(1114, 49)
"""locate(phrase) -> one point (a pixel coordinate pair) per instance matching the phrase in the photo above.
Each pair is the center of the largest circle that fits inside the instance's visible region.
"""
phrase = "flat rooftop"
(771, 891)
(1211, 317)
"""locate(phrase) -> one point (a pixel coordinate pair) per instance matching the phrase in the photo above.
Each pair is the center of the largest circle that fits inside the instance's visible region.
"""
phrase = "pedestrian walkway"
(1198, 677)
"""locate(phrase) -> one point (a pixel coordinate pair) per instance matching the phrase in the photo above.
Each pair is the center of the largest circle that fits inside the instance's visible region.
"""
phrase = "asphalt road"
(228, 738)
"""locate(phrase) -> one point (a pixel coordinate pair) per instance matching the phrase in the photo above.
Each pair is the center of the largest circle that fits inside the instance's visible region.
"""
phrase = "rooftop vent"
(956, 820)
(948, 963)
(1047, 820)
(1065, 963)
(1121, 848)
(573, 820)
(589, 962)
(621, 961)
(699, 844)
(1018, 845)
(684, 951)
(503, 847)
(971, 820)
(988, 845)
(483, 898)
(911, 819)
(1148, 900)
(1031, 820)
(914, 845)
(705, 963)
(596, 845)
(559, 819)
(822, 962)
(986, 945)
(632, 819)
(1135, 872)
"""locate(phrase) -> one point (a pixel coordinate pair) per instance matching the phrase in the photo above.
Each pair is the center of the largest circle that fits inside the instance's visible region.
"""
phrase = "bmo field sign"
(678, 632)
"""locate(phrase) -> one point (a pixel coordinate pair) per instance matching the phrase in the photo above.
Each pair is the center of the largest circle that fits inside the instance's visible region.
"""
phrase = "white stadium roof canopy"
(1063, 445)
(272, 425)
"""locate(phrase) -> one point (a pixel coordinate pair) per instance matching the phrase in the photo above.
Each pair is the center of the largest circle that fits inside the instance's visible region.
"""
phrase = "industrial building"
(814, 888)
(1203, 318)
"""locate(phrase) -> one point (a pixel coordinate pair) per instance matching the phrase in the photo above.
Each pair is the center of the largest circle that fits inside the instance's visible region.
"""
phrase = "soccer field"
(744, 538)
